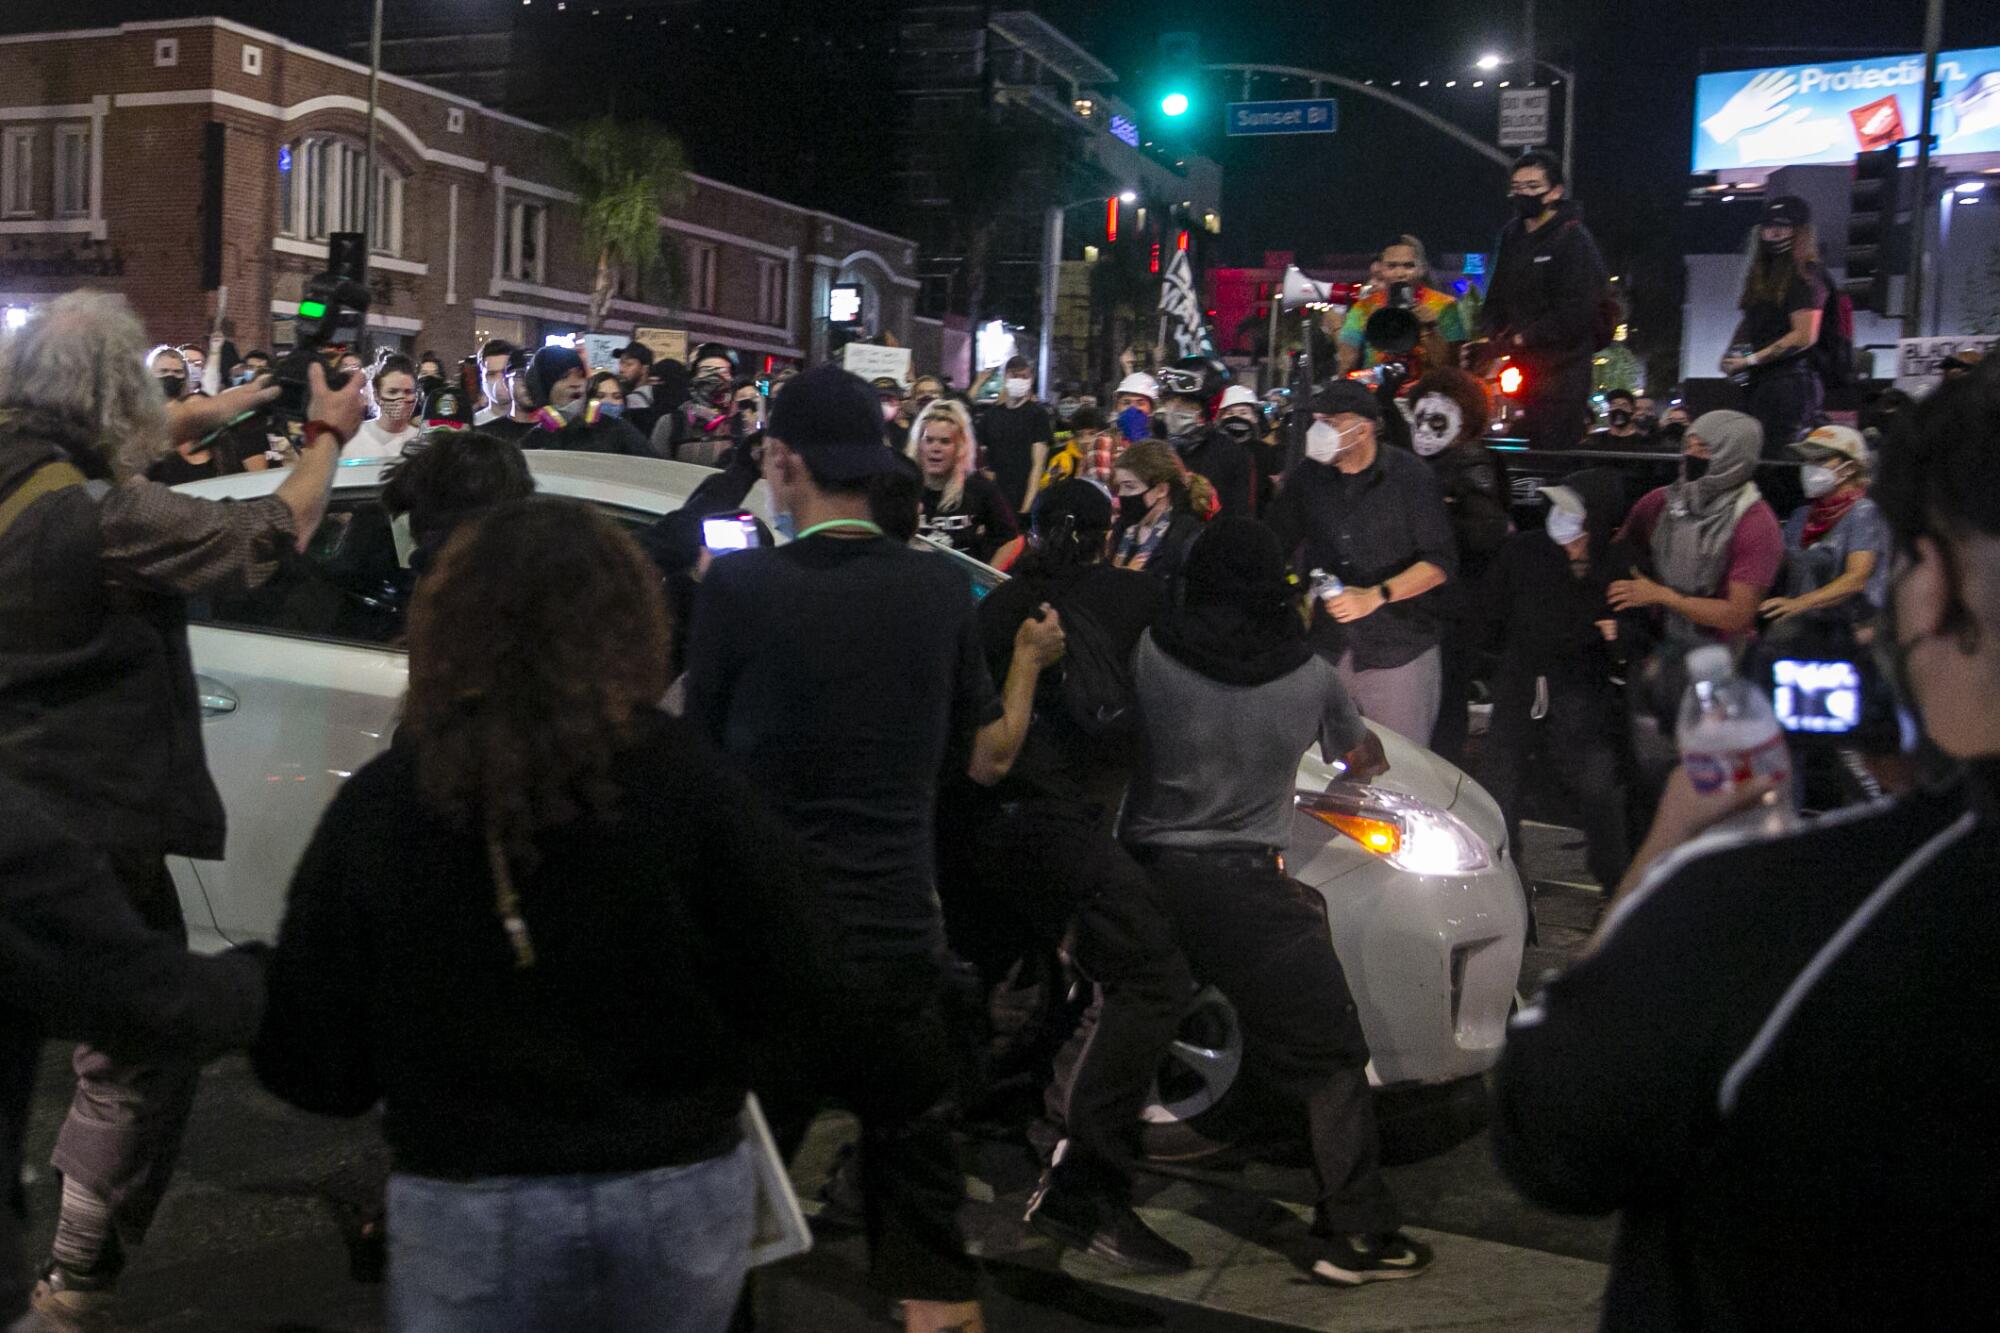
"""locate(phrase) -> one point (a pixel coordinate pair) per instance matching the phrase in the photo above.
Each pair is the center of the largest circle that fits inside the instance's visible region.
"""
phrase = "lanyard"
(861, 524)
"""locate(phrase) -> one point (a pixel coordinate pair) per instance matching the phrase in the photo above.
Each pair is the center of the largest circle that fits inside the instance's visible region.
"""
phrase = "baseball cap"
(1237, 395)
(886, 384)
(1337, 396)
(1842, 440)
(833, 421)
(638, 352)
(1141, 383)
(1789, 210)
(1565, 499)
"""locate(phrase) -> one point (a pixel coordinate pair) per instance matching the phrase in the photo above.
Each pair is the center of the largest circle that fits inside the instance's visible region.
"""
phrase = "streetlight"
(1493, 60)
(1052, 243)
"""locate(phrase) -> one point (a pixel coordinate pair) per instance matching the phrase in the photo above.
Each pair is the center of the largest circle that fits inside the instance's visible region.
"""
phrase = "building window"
(324, 186)
(17, 172)
(526, 240)
(771, 284)
(72, 171)
(701, 275)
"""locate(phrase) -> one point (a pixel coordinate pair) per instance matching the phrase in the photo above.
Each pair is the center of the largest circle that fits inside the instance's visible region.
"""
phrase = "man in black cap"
(635, 377)
(549, 403)
(1373, 519)
(1783, 303)
(842, 672)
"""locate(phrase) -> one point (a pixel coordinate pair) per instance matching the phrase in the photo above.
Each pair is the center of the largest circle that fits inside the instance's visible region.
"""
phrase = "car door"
(301, 682)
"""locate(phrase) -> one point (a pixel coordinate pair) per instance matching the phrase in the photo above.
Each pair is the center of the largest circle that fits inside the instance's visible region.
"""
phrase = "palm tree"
(625, 174)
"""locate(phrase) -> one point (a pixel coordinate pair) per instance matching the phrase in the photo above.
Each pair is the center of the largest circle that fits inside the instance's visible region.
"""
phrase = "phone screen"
(1818, 697)
(729, 534)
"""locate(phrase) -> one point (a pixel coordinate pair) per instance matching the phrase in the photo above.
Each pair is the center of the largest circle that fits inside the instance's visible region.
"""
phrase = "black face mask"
(709, 389)
(1620, 418)
(1783, 247)
(1692, 468)
(1645, 421)
(1132, 509)
(173, 386)
(1239, 430)
(1673, 431)
(1529, 206)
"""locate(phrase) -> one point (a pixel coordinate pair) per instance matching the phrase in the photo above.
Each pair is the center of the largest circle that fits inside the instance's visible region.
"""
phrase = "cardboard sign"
(872, 363)
(667, 344)
(1917, 358)
(600, 350)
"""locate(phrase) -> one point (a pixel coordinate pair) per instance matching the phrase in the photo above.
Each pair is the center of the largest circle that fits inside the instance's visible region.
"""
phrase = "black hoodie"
(1548, 288)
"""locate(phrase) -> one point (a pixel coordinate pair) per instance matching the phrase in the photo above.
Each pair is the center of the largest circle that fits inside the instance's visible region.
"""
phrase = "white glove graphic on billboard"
(1793, 139)
(1758, 102)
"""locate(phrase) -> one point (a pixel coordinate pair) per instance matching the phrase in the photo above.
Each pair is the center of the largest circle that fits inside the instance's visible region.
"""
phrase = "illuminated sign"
(1123, 130)
(1791, 115)
(844, 304)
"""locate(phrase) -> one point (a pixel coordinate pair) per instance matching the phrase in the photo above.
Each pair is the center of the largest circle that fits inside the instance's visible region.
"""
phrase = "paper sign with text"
(871, 362)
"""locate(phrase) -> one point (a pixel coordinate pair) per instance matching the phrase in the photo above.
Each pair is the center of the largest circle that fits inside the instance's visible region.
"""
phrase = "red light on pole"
(1111, 220)
(1181, 242)
(1154, 267)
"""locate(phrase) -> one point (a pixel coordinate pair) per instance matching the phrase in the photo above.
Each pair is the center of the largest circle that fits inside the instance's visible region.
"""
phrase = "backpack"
(1832, 354)
(1097, 691)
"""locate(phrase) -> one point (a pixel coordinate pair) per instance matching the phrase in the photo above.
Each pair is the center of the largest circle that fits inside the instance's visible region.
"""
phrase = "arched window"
(322, 189)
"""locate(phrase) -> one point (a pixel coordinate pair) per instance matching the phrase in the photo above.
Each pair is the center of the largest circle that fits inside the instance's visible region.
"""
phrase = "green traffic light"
(1174, 104)
(312, 309)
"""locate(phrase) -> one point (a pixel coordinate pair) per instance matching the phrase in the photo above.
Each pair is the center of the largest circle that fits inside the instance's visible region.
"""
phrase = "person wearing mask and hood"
(697, 430)
(1230, 693)
(1448, 431)
(1836, 543)
(555, 382)
(1160, 509)
(1223, 457)
(1132, 406)
(1547, 303)
(1542, 607)
(1372, 516)
(393, 427)
(1241, 417)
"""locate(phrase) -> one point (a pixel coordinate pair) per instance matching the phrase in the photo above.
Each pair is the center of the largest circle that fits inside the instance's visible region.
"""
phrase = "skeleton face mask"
(1435, 424)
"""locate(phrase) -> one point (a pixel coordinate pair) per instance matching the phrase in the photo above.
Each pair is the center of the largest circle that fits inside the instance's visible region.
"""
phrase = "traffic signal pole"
(1920, 207)
(1436, 122)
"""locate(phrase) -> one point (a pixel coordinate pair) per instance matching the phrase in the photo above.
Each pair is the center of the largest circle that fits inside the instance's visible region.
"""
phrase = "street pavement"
(250, 1237)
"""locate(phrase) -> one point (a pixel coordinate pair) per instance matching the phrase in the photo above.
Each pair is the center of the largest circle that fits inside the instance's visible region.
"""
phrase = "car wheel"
(1199, 1087)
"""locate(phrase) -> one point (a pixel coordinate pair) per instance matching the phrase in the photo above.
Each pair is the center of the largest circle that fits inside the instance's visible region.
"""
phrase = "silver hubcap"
(1201, 1065)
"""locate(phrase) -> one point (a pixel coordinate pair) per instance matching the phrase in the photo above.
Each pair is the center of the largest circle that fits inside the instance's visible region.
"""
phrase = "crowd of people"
(663, 826)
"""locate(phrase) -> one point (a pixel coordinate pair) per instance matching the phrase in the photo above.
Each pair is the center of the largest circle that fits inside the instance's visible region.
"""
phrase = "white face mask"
(1818, 481)
(1563, 527)
(1323, 443)
(1017, 389)
(1436, 424)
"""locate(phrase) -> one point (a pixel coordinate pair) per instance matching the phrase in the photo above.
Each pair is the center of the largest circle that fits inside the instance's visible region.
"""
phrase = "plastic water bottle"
(1325, 586)
(1730, 737)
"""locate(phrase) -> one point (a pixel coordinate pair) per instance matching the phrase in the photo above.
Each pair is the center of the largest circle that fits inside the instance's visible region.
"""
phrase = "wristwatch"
(1383, 588)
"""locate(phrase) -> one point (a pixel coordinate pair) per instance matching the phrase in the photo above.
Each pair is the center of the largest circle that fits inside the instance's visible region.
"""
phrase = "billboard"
(1792, 115)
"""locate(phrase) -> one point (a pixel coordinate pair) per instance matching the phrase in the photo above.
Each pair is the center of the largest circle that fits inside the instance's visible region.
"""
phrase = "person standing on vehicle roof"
(1230, 693)
(1783, 304)
(97, 691)
(1547, 305)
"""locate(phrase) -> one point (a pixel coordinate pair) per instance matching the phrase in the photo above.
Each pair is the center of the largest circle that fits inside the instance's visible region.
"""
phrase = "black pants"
(897, 1078)
(1576, 745)
(1028, 875)
(1556, 404)
(1785, 399)
(1261, 938)
(1459, 660)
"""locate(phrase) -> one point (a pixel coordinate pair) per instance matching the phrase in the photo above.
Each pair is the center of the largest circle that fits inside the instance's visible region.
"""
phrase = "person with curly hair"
(1161, 507)
(551, 931)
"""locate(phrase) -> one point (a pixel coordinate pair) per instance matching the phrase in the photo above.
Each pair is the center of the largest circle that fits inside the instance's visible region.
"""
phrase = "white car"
(301, 683)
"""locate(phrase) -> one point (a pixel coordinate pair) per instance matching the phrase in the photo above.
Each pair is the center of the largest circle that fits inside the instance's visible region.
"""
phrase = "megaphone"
(1299, 290)
(1393, 330)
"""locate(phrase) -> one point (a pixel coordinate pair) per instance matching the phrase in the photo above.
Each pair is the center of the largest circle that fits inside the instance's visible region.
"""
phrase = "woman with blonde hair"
(1161, 507)
(551, 931)
(961, 507)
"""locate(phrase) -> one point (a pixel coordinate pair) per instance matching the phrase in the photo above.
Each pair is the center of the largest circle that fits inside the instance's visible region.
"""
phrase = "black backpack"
(1832, 355)
(1097, 692)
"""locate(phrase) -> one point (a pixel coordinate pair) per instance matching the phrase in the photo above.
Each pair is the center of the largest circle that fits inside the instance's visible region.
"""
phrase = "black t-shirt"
(979, 524)
(1009, 436)
(514, 432)
(1058, 761)
(839, 674)
(1764, 322)
(173, 469)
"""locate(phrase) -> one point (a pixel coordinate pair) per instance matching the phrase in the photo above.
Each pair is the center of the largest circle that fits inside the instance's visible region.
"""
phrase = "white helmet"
(1237, 395)
(1142, 384)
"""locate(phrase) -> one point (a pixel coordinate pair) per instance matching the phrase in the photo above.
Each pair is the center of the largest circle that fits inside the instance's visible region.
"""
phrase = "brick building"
(114, 142)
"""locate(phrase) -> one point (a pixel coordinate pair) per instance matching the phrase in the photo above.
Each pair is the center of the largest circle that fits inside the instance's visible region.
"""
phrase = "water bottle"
(1729, 737)
(1325, 586)
(1741, 379)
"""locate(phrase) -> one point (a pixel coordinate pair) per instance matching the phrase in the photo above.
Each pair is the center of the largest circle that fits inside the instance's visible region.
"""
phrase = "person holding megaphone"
(1401, 319)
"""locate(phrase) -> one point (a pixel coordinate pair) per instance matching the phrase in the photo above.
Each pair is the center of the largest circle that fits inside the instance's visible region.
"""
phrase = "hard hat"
(1142, 384)
(1194, 377)
(1237, 395)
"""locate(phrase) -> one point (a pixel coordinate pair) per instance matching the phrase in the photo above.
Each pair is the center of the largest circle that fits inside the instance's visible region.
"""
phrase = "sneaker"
(1349, 1261)
(1108, 1229)
(69, 1303)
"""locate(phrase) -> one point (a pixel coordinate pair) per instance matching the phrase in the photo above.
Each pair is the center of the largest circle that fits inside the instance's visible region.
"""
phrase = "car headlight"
(1409, 834)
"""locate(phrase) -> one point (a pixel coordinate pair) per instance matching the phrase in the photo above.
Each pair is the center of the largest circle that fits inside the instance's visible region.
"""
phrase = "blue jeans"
(652, 1252)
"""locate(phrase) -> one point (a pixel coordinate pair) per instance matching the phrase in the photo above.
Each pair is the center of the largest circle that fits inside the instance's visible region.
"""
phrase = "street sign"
(1524, 117)
(1312, 115)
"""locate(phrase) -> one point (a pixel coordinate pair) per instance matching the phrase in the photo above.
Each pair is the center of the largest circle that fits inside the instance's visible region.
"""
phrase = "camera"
(1830, 697)
(331, 313)
(731, 532)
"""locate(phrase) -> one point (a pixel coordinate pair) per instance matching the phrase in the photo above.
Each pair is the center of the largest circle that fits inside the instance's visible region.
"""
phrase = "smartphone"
(732, 532)
(1817, 697)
